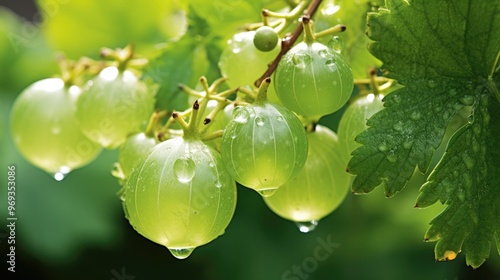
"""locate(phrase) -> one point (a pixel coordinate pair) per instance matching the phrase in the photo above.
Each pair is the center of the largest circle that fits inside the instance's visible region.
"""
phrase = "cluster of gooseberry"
(179, 169)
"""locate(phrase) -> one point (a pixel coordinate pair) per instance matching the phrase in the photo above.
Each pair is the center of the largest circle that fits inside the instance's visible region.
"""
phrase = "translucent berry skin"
(45, 130)
(241, 62)
(265, 39)
(136, 146)
(313, 80)
(320, 187)
(114, 105)
(353, 121)
(180, 195)
(264, 146)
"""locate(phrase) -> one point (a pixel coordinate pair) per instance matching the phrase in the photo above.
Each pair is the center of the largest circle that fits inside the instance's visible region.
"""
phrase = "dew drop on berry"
(184, 169)
(181, 253)
(267, 192)
(336, 44)
(306, 227)
(301, 60)
(240, 115)
(259, 121)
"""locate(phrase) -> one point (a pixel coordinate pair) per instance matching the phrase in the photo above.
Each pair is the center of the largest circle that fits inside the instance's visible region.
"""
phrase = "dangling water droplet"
(267, 192)
(382, 147)
(336, 44)
(279, 118)
(181, 253)
(306, 227)
(467, 100)
(61, 174)
(323, 53)
(184, 169)
(240, 114)
(301, 60)
(217, 184)
(452, 92)
(211, 164)
(259, 121)
(432, 84)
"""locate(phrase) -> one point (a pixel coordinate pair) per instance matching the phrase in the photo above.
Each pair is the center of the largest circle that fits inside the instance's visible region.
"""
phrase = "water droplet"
(184, 169)
(61, 174)
(217, 183)
(438, 109)
(301, 60)
(259, 121)
(240, 115)
(267, 192)
(330, 63)
(181, 253)
(461, 194)
(336, 44)
(398, 126)
(306, 227)
(117, 171)
(323, 53)
(470, 119)
(211, 164)
(382, 147)
(469, 85)
(432, 84)
(415, 116)
(469, 161)
(467, 100)
(392, 157)
(408, 143)
(452, 92)
(396, 98)
(279, 118)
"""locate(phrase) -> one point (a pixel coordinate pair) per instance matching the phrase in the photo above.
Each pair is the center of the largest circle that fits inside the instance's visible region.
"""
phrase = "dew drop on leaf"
(432, 83)
(306, 227)
(184, 169)
(181, 253)
(415, 115)
(469, 161)
(382, 147)
(467, 100)
(398, 126)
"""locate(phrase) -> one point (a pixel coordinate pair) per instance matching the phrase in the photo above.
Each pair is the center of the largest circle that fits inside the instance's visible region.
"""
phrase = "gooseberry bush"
(233, 104)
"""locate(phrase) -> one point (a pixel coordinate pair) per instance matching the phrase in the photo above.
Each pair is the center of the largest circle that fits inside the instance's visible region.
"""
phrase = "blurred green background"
(75, 229)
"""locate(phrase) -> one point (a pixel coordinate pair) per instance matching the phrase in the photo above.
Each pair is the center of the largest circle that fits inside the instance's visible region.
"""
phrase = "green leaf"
(444, 53)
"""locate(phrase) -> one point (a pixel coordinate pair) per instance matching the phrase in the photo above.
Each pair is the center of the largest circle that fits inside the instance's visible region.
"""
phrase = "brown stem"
(288, 42)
